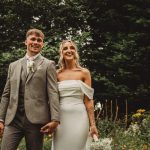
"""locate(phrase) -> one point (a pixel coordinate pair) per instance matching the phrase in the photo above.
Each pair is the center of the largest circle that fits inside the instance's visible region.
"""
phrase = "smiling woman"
(68, 48)
(76, 101)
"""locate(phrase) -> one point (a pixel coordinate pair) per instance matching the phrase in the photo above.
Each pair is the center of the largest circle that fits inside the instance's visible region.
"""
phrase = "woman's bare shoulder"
(59, 71)
(85, 71)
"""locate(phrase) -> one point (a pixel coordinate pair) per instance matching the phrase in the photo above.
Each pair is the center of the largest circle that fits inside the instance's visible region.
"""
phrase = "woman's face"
(68, 51)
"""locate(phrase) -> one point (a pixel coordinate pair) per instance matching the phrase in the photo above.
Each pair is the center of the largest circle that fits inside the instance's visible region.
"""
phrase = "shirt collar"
(32, 57)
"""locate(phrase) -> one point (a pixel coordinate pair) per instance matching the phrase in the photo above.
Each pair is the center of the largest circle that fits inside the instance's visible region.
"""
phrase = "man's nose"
(35, 41)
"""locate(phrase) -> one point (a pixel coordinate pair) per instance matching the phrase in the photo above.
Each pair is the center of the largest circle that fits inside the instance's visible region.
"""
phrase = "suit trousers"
(18, 129)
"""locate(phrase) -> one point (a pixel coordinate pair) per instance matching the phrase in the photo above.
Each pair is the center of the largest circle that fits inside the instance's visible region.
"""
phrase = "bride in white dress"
(76, 102)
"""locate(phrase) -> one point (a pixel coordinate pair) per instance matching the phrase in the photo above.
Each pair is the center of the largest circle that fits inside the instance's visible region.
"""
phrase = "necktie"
(30, 65)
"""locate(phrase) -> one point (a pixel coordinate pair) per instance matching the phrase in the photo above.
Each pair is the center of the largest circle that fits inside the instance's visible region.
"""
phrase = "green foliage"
(7, 57)
(136, 136)
(112, 37)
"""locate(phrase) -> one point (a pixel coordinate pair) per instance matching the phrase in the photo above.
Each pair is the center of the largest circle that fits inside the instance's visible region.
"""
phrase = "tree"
(112, 37)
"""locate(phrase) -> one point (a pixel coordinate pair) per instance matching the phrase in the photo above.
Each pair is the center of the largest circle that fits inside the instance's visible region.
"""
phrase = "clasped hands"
(50, 127)
(1, 129)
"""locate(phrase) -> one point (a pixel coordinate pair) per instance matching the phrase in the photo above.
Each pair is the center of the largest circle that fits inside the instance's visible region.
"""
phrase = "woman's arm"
(89, 104)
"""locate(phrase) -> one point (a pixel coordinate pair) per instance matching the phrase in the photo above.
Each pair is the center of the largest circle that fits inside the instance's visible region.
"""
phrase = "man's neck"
(31, 54)
(33, 57)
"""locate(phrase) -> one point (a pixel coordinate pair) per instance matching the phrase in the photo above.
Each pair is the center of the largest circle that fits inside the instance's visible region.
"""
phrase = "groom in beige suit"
(30, 98)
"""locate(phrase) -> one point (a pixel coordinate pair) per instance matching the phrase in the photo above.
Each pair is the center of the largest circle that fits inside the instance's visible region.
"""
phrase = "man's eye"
(33, 39)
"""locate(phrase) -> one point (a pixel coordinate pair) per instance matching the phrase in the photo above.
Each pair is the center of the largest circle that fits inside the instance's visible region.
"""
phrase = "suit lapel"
(18, 71)
(38, 61)
(24, 66)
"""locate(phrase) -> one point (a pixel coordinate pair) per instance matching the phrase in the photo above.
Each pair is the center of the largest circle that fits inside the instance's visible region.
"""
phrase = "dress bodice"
(74, 88)
(73, 130)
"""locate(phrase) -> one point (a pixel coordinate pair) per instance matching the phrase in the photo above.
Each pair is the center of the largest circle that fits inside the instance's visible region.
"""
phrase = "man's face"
(34, 44)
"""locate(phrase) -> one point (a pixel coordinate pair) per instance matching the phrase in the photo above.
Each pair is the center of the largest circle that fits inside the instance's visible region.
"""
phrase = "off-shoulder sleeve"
(87, 90)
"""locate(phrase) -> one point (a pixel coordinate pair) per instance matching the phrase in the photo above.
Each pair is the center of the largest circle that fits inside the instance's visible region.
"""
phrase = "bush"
(135, 137)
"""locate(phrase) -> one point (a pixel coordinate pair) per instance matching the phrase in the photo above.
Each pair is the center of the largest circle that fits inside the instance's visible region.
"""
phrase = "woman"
(76, 104)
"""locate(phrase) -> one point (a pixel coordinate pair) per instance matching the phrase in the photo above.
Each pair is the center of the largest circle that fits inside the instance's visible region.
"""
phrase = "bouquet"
(100, 144)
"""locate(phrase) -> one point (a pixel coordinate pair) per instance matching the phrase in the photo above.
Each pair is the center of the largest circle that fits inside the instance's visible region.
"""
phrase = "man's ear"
(25, 42)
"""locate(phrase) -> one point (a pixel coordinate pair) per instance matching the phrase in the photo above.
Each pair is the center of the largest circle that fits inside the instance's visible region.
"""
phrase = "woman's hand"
(50, 127)
(1, 129)
(94, 131)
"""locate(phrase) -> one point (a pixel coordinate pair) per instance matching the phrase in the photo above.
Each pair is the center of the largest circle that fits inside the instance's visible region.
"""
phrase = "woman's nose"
(69, 49)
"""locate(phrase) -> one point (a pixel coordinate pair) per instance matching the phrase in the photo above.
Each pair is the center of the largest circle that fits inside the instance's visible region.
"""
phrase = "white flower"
(62, 2)
(144, 123)
(133, 130)
(30, 66)
(98, 106)
(102, 144)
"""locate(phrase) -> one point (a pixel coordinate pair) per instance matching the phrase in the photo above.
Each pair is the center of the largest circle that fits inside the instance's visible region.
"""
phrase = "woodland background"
(112, 36)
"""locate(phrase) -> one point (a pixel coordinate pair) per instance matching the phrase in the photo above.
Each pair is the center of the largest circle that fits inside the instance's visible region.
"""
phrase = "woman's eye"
(65, 48)
(72, 47)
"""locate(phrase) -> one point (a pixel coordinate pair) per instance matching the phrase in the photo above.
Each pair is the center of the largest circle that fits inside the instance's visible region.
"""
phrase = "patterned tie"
(30, 65)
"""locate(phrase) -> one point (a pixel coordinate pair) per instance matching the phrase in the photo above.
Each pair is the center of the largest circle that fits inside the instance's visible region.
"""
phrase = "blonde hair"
(61, 61)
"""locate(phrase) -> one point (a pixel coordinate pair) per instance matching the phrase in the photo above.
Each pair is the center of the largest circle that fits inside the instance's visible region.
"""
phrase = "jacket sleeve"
(5, 97)
(52, 90)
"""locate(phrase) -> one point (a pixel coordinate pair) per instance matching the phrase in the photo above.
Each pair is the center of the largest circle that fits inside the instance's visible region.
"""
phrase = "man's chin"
(33, 53)
(36, 51)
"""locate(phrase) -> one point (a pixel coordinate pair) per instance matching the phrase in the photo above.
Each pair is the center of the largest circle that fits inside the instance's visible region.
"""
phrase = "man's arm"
(4, 102)
(53, 94)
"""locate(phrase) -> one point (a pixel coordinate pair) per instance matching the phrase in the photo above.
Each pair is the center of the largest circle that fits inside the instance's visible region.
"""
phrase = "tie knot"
(30, 65)
(30, 59)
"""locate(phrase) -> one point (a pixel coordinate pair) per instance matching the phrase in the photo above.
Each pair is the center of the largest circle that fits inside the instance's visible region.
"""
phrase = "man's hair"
(35, 31)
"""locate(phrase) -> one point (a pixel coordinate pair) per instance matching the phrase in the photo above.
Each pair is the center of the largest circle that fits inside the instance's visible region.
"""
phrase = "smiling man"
(30, 98)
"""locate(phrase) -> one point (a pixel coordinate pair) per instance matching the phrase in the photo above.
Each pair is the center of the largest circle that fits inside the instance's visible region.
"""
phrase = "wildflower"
(145, 147)
(137, 115)
(124, 147)
(140, 110)
(102, 144)
(50, 136)
(144, 122)
(98, 106)
(62, 2)
(135, 128)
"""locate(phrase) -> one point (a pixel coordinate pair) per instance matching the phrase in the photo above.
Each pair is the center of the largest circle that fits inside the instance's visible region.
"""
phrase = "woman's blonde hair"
(61, 61)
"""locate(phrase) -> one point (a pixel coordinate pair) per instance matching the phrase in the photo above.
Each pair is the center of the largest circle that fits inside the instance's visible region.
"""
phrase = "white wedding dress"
(72, 133)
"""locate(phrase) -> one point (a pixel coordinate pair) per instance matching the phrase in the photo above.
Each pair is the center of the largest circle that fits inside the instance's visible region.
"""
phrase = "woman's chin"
(69, 58)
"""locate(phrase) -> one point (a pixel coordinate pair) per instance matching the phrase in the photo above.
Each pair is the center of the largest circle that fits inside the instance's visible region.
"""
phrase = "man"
(30, 98)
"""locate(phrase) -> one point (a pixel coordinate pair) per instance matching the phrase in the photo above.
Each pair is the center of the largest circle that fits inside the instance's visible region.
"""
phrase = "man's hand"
(1, 129)
(50, 127)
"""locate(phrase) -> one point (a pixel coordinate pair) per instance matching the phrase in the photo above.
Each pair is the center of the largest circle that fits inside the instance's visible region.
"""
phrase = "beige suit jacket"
(41, 97)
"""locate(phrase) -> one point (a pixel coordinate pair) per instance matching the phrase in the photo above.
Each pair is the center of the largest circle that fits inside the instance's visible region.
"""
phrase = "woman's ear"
(43, 45)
